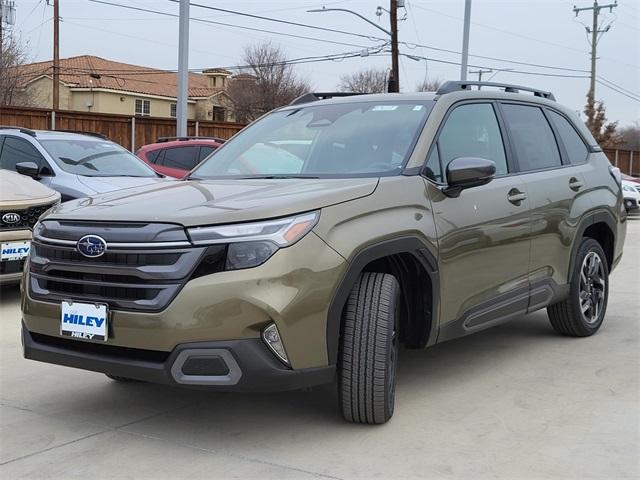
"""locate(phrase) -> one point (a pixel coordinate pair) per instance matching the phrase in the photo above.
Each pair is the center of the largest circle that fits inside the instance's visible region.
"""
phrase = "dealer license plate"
(84, 320)
(14, 251)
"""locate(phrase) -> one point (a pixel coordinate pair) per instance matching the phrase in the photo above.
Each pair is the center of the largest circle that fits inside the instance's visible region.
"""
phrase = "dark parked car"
(177, 156)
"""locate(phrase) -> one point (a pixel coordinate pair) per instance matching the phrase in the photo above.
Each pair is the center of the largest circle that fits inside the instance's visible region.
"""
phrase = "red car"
(177, 156)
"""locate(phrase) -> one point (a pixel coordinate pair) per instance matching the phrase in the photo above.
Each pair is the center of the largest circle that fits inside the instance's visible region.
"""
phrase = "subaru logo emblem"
(11, 218)
(91, 246)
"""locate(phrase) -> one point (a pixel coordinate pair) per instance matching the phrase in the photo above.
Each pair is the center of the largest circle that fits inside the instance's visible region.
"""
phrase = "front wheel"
(581, 314)
(369, 349)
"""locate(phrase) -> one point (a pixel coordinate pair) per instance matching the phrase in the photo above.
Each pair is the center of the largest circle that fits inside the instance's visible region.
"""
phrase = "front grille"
(28, 217)
(129, 276)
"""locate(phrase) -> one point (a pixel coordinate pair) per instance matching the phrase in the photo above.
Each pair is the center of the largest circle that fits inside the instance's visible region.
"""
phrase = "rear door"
(483, 235)
(553, 173)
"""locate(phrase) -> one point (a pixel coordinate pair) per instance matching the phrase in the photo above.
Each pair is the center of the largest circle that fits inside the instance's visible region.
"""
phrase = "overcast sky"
(536, 32)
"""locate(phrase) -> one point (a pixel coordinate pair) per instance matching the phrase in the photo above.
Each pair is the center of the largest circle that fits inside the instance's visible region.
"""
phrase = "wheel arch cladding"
(601, 226)
(407, 258)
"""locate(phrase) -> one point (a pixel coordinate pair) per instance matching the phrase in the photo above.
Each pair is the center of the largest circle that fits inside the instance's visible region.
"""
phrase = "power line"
(619, 91)
(630, 92)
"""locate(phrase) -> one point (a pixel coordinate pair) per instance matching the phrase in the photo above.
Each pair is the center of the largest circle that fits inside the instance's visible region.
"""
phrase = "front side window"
(331, 140)
(96, 158)
(17, 150)
(143, 107)
(472, 130)
(573, 144)
(532, 137)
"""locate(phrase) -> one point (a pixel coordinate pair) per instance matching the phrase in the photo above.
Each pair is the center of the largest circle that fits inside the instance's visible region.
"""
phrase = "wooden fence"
(628, 161)
(130, 132)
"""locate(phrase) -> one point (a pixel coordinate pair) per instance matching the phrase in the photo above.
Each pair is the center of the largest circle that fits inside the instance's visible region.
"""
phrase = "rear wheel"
(581, 314)
(369, 349)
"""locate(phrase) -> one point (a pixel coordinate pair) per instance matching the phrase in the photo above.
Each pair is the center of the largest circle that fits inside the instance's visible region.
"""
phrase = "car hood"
(209, 202)
(110, 184)
(18, 191)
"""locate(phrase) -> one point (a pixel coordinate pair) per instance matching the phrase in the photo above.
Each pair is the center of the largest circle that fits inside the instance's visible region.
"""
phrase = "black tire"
(369, 350)
(116, 378)
(567, 317)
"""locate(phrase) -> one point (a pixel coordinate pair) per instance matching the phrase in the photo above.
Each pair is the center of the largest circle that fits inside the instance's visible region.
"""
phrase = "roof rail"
(449, 87)
(82, 132)
(185, 138)
(26, 131)
(315, 96)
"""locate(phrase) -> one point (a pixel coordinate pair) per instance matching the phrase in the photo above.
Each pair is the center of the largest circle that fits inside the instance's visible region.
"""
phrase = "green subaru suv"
(390, 219)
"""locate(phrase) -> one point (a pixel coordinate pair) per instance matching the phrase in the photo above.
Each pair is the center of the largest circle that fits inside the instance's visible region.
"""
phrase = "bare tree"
(631, 137)
(604, 133)
(369, 80)
(266, 82)
(429, 85)
(13, 53)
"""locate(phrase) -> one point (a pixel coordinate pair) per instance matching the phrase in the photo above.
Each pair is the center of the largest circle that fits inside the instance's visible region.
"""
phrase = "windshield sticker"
(384, 108)
(417, 108)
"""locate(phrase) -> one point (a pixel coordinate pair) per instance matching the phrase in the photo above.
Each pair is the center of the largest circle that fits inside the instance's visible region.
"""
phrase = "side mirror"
(468, 172)
(30, 169)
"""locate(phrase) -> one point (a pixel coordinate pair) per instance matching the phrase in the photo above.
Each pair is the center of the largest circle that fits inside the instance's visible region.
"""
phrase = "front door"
(483, 234)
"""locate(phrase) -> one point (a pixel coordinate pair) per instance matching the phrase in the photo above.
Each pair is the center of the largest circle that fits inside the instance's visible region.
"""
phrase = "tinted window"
(334, 140)
(532, 137)
(472, 131)
(184, 158)
(433, 169)
(205, 152)
(16, 150)
(573, 144)
(96, 158)
(152, 156)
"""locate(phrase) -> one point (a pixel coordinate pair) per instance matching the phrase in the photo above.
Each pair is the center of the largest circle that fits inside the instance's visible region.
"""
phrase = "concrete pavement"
(514, 402)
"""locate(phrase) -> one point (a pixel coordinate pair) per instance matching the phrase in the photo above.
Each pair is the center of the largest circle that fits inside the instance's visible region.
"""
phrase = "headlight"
(252, 244)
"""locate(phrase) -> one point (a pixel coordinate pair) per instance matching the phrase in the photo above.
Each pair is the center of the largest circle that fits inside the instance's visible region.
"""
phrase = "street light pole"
(183, 69)
(394, 81)
(465, 40)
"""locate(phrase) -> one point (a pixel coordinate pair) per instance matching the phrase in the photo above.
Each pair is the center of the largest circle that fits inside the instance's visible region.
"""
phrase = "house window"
(219, 114)
(174, 109)
(143, 107)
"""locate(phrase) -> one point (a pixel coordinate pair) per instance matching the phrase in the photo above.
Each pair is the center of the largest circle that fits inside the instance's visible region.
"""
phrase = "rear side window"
(532, 137)
(184, 158)
(573, 144)
(472, 131)
(152, 156)
(16, 150)
(205, 152)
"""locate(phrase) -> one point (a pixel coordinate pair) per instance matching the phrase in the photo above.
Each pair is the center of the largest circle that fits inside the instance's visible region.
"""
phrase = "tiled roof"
(89, 71)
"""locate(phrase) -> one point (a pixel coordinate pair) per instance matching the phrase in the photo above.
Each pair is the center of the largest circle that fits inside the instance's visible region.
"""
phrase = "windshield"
(96, 158)
(335, 140)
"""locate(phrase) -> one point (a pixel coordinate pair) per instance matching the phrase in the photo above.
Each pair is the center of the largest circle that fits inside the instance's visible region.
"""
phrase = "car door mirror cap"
(30, 169)
(468, 172)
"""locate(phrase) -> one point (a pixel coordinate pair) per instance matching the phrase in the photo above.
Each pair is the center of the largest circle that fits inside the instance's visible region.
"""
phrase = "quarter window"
(573, 144)
(532, 137)
(472, 131)
(143, 107)
(17, 150)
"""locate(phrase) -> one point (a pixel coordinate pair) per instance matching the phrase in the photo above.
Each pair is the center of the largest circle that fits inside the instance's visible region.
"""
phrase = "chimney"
(218, 77)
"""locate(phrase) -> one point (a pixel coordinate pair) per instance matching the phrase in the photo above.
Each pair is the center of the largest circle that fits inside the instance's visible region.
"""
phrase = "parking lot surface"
(516, 401)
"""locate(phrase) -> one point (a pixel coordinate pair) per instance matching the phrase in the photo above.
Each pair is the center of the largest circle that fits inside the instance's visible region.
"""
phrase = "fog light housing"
(271, 337)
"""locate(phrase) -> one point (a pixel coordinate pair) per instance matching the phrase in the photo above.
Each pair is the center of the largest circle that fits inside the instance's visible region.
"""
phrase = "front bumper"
(235, 365)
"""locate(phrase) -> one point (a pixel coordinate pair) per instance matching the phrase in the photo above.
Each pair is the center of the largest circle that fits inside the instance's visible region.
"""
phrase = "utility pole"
(394, 81)
(56, 56)
(183, 69)
(465, 40)
(595, 30)
(480, 72)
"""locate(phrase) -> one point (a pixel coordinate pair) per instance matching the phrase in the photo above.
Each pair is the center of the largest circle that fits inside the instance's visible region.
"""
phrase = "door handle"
(575, 184)
(516, 197)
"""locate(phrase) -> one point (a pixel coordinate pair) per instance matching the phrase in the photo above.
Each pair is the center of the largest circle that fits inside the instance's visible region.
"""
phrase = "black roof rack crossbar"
(83, 132)
(185, 138)
(315, 96)
(26, 131)
(456, 86)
